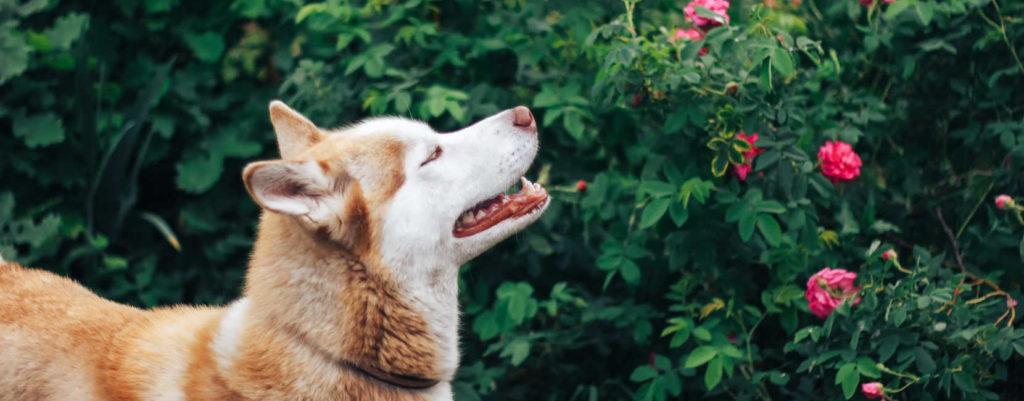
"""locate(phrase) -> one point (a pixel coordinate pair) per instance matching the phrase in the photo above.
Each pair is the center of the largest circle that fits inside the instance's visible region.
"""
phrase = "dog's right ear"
(295, 133)
(287, 187)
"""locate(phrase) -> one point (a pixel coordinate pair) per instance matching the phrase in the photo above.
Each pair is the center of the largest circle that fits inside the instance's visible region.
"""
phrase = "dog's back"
(50, 328)
(59, 341)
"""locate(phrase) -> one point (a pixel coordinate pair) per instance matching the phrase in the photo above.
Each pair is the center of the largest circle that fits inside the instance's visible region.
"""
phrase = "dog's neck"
(348, 307)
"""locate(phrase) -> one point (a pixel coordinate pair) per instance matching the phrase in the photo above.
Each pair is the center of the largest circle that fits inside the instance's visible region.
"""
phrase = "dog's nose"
(523, 118)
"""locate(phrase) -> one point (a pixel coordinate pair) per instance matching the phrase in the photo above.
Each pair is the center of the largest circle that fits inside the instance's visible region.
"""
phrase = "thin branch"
(952, 239)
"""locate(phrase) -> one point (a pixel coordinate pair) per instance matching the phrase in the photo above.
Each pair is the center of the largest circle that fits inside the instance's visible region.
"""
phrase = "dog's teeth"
(467, 218)
(504, 200)
(528, 186)
(480, 214)
(526, 183)
(537, 187)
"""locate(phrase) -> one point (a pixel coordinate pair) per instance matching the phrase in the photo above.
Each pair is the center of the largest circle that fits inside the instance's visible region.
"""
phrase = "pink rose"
(873, 390)
(890, 255)
(716, 6)
(748, 156)
(828, 288)
(1004, 202)
(689, 34)
(838, 161)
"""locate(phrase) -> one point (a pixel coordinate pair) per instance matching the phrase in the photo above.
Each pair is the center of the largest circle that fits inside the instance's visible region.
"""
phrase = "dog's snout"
(522, 117)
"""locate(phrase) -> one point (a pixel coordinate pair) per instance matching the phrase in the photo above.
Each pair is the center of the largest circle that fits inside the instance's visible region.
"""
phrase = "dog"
(351, 289)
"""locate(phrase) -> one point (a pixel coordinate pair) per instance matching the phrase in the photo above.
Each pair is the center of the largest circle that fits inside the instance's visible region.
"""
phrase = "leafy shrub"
(681, 267)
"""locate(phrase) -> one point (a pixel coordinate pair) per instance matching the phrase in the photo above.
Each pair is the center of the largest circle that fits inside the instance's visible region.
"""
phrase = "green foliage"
(669, 277)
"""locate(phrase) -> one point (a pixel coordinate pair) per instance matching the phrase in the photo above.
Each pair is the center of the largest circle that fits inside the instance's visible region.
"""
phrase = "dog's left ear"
(286, 187)
(295, 133)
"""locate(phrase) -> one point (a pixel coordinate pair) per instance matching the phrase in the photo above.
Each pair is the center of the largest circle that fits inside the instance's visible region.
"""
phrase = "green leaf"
(37, 234)
(770, 206)
(159, 6)
(39, 130)
(719, 164)
(782, 61)
(770, 229)
(573, 124)
(887, 347)
(848, 377)
(654, 211)
(29, 7)
(518, 349)
(697, 188)
(700, 356)
(657, 188)
(630, 271)
(925, 11)
(207, 46)
(676, 121)
(66, 30)
(679, 213)
(702, 334)
(643, 373)
(486, 326)
(197, 174)
(540, 244)
(896, 8)
(868, 368)
(706, 13)
(747, 222)
(250, 8)
(924, 361)
(714, 373)
(15, 51)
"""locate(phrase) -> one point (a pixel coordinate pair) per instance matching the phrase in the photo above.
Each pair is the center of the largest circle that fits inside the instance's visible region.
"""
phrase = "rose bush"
(881, 129)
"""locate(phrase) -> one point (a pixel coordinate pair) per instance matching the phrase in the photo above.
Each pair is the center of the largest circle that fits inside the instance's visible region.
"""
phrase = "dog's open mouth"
(487, 214)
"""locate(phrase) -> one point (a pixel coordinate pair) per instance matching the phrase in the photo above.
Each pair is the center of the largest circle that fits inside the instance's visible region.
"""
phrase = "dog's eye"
(433, 156)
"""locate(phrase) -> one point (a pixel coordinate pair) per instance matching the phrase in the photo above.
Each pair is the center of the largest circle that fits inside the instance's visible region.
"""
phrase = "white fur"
(225, 342)
(477, 163)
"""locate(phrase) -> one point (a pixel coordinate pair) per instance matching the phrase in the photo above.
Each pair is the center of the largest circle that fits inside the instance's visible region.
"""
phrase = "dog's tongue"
(495, 210)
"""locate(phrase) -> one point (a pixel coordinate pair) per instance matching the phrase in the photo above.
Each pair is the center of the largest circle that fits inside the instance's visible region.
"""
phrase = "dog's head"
(395, 188)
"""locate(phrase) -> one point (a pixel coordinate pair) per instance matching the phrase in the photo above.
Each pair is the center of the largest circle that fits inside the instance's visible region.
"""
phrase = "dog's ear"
(287, 187)
(295, 132)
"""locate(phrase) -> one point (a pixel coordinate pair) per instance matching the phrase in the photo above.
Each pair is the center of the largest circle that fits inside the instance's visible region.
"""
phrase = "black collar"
(397, 380)
(400, 381)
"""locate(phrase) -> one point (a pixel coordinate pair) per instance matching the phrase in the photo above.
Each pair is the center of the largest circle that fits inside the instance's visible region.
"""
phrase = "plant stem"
(975, 210)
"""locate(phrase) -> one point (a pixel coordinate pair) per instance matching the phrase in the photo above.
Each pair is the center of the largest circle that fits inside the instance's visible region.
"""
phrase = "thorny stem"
(952, 240)
(630, 4)
(975, 210)
(761, 391)
(900, 267)
(913, 379)
(1001, 28)
(1010, 310)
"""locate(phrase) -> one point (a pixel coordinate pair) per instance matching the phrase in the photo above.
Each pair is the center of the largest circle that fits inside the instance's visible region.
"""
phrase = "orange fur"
(318, 295)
